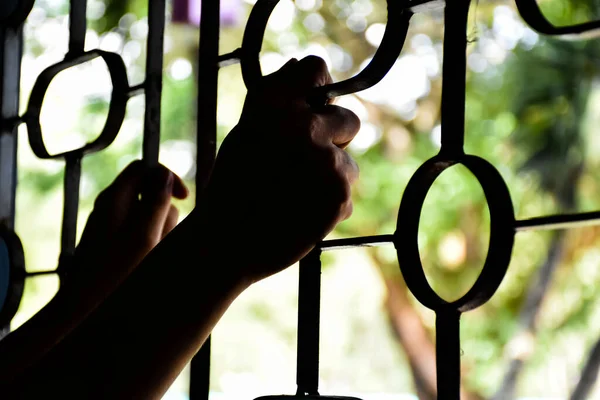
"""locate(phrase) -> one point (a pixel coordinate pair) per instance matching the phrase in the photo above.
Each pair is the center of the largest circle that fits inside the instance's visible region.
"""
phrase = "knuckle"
(330, 160)
(340, 191)
(318, 69)
(346, 210)
(353, 120)
(314, 126)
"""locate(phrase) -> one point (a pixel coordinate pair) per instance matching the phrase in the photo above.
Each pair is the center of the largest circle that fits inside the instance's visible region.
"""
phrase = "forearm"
(69, 307)
(136, 343)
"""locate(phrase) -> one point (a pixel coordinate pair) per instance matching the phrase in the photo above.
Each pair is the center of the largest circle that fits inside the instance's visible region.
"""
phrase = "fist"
(282, 180)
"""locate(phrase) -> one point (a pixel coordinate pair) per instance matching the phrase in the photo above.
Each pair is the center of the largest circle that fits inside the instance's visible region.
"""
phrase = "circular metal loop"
(12, 275)
(533, 16)
(502, 231)
(14, 12)
(391, 45)
(116, 111)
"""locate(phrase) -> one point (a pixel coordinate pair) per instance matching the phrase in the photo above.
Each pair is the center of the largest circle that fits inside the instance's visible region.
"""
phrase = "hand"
(119, 233)
(129, 218)
(282, 179)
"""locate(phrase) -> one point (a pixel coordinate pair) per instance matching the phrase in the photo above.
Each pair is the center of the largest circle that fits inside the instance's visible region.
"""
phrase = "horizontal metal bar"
(364, 241)
(38, 273)
(11, 123)
(565, 221)
(228, 59)
(137, 89)
(418, 6)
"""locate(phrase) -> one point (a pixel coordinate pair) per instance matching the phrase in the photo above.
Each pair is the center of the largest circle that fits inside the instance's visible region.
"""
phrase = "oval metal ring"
(502, 232)
(383, 60)
(533, 16)
(116, 110)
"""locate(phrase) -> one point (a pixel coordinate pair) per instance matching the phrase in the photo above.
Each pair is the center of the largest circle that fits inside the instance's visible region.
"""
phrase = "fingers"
(171, 221)
(140, 197)
(296, 79)
(346, 165)
(119, 197)
(334, 124)
(180, 190)
(154, 206)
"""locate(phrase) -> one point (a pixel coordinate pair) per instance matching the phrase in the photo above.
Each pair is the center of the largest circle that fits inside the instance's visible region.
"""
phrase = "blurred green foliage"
(532, 108)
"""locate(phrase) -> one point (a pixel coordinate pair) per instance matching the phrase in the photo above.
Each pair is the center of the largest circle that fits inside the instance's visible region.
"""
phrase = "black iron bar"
(232, 58)
(533, 16)
(365, 241)
(566, 221)
(11, 44)
(424, 5)
(136, 89)
(77, 27)
(153, 83)
(454, 76)
(70, 209)
(206, 145)
(309, 309)
(447, 347)
(11, 50)
(40, 273)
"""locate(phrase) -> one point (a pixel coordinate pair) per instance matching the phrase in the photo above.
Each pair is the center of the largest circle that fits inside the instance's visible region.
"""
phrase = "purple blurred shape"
(188, 11)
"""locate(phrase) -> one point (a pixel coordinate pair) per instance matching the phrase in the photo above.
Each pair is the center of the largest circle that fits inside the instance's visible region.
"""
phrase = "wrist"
(217, 256)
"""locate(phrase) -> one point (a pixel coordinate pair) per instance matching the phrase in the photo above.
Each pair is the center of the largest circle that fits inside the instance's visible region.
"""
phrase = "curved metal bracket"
(533, 16)
(399, 15)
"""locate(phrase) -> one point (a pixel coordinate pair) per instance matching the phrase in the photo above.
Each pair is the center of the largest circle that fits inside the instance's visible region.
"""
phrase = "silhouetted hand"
(282, 179)
(129, 218)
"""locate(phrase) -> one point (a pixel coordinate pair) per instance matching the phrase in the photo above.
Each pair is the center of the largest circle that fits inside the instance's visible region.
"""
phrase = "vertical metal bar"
(309, 309)
(447, 346)
(11, 50)
(70, 210)
(208, 79)
(454, 76)
(77, 30)
(77, 26)
(208, 75)
(153, 92)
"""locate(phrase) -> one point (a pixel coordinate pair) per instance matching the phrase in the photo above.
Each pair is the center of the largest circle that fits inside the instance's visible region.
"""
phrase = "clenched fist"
(282, 179)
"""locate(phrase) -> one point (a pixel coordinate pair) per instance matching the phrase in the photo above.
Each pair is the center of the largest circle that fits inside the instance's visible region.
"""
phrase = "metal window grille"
(503, 223)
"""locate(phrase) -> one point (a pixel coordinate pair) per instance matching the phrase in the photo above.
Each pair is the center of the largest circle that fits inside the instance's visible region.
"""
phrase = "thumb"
(154, 205)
